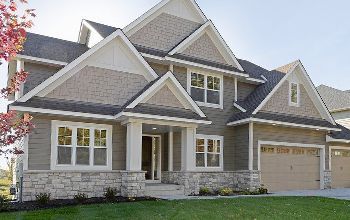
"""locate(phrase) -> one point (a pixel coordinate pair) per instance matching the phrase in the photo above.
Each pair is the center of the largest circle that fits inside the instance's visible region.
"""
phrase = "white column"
(170, 150)
(19, 67)
(134, 146)
(188, 149)
(251, 146)
(236, 90)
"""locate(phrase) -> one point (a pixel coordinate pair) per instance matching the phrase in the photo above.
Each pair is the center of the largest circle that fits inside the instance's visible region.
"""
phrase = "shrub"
(42, 198)
(110, 194)
(225, 191)
(4, 205)
(205, 191)
(261, 190)
(80, 197)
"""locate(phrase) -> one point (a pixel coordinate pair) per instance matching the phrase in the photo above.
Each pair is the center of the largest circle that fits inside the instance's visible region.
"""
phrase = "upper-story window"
(294, 94)
(206, 89)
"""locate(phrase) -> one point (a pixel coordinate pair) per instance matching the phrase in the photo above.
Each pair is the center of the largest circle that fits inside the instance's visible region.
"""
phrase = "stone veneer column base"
(327, 179)
(193, 181)
(66, 184)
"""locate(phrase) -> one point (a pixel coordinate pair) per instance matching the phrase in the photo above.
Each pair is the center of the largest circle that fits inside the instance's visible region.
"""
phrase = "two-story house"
(165, 101)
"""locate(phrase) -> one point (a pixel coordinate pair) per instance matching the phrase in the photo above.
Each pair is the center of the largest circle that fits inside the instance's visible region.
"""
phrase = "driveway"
(329, 193)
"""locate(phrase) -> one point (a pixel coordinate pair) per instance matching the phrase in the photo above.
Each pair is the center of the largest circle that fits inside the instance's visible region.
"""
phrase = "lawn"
(238, 208)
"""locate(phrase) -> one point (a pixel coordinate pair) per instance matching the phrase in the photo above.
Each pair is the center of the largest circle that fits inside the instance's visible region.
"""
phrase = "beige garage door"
(340, 168)
(290, 168)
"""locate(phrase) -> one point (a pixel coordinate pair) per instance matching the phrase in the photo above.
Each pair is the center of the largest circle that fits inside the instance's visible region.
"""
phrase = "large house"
(164, 106)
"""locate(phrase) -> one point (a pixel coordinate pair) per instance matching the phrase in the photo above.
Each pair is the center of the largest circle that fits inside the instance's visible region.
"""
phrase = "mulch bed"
(33, 205)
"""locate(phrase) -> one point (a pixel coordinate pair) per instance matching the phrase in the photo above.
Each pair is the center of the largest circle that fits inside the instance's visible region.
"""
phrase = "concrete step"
(158, 189)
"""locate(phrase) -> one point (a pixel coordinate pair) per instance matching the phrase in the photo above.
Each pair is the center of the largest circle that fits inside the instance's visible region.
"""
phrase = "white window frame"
(74, 125)
(297, 104)
(206, 74)
(221, 157)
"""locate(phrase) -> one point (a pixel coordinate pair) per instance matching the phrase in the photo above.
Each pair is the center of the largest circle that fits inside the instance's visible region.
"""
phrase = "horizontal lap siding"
(244, 89)
(177, 151)
(39, 142)
(241, 147)
(285, 134)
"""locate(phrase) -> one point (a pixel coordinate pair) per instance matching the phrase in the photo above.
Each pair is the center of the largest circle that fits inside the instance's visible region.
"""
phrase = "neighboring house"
(164, 100)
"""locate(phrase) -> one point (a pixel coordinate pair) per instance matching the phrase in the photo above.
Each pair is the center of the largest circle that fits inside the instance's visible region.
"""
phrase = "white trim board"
(330, 154)
(330, 139)
(212, 137)
(301, 145)
(73, 67)
(165, 7)
(40, 60)
(215, 36)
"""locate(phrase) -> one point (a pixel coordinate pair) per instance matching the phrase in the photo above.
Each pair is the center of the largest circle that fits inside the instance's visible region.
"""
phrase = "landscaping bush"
(205, 191)
(42, 198)
(4, 205)
(225, 191)
(80, 197)
(262, 190)
(110, 194)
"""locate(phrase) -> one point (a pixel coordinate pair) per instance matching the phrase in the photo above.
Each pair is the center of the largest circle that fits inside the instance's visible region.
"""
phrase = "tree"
(13, 126)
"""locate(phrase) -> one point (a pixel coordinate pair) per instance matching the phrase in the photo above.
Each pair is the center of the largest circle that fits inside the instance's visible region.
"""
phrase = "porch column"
(170, 150)
(187, 149)
(134, 146)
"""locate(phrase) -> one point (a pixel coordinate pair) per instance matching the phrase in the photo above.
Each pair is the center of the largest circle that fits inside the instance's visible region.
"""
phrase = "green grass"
(5, 187)
(238, 208)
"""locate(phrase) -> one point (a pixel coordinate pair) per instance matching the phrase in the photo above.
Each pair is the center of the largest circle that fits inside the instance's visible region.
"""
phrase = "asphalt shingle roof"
(344, 134)
(334, 98)
(102, 29)
(51, 48)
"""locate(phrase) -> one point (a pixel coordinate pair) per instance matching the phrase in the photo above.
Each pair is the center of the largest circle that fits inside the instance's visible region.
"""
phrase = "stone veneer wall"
(193, 181)
(327, 179)
(66, 184)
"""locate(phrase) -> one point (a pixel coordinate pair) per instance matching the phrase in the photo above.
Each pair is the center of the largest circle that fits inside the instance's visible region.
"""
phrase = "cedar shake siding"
(164, 32)
(97, 85)
(165, 97)
(279, 103)
(244, 89)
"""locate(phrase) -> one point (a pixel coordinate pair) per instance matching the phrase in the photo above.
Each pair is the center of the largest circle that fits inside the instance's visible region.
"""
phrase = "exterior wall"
(64, 185)
(285, 134)
(39, 142)
(204, 48)
(164, 32)
(37, 74)
(165, 97)
(160, 69)
(177, 151)
(193, 181)
(99, 85)
(244, 89)
(241, 147)
(279, 103)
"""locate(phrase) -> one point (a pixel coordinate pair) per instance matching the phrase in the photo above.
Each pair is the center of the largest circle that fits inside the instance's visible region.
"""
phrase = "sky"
(270, 33)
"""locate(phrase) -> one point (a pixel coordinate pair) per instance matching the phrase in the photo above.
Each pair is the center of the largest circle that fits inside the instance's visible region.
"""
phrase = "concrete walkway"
(329, 193)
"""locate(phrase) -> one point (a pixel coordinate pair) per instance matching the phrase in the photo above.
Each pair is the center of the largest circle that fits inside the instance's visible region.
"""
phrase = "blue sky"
(269, 33)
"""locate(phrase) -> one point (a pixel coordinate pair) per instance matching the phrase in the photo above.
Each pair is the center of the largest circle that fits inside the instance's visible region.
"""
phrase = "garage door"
(290, 168)
(340, 168)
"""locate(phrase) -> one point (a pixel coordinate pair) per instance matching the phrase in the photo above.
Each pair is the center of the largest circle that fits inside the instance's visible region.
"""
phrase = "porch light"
(154, 128)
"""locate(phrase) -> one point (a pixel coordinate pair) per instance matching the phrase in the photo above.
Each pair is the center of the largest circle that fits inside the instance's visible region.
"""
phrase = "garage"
(340, 165)
(289, 168)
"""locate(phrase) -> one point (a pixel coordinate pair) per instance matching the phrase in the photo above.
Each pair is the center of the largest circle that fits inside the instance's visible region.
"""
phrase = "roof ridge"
(100, 23)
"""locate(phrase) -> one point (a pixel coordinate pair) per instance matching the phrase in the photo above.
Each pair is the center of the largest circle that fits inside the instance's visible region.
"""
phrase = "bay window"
(81, 146)
(209, 152)
(206, 89)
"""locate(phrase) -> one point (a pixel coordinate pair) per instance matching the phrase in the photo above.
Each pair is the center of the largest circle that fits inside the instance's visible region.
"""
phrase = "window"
(81, 146)
(209, 151)
(294, 94)
(206, 89)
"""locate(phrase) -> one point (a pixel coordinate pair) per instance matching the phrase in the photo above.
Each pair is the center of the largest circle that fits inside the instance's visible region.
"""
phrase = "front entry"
(151, 157)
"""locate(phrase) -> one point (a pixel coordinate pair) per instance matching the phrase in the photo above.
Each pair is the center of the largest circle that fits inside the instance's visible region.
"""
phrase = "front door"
(151, 157)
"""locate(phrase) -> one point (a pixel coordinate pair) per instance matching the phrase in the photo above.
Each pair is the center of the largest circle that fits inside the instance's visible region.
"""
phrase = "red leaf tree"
(13, 126)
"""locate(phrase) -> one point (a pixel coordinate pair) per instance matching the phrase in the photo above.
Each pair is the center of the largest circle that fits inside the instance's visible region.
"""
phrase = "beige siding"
(181, 75)
(285, 134)
(241, 147)
(160, 69)
(38, 73)
(205, 48)
(165, 97)
(39, 143)
(99, 85)
(279, 103)
(177, 151)
(244, 89)
(164, 32)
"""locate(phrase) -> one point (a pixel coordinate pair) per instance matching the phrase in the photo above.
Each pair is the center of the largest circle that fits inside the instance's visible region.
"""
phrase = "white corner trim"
(301, 145)
(251, 147)
(41, 60)
(59, 112)
(239, 107)
(158, 117)
(53, 159)
(46, 84)
(182, 91)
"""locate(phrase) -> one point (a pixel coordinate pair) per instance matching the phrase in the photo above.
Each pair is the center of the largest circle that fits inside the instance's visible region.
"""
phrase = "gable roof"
(102, 29)
(52, 81)
(335, 99)
(159, 8)
(50, 48)
(208, 26)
